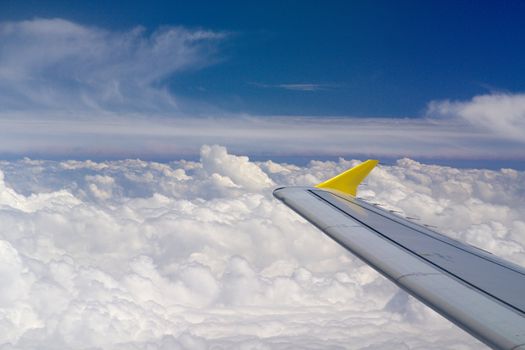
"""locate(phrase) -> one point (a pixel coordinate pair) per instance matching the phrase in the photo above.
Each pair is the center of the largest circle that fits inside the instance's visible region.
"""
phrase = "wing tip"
(348, 181)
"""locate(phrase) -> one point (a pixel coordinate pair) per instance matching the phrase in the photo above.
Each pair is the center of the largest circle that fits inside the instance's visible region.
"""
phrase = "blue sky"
(369, 58)
(383, 60)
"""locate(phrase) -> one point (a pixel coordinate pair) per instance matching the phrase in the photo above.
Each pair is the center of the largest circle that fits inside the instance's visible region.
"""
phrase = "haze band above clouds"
(71, 90)
(197, 255)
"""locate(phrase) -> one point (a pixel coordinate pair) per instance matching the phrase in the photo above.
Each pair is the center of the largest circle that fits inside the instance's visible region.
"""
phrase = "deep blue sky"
(373, 58)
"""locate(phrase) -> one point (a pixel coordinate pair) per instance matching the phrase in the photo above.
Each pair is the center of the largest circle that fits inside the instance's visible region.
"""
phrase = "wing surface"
(476, 290)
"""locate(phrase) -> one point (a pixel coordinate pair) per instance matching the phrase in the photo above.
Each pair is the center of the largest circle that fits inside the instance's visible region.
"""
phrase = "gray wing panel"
(503, 282)
(474, 289)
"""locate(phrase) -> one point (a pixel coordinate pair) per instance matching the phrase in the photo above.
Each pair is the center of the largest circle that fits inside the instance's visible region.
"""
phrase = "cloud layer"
(197, 254)
(69, 90)
(153, 137)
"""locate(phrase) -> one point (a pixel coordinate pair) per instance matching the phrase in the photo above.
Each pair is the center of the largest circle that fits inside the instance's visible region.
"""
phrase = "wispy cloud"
(126, 136)
(71, 90)
(297, 86)
(55, 64)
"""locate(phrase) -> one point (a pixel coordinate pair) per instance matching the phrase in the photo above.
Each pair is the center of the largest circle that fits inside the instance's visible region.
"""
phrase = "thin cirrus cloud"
(146, 137)
(297, 86)
(58, 65)
(70, 90)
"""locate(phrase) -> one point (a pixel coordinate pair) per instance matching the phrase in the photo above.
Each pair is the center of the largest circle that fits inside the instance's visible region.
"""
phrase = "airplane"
(476, 290)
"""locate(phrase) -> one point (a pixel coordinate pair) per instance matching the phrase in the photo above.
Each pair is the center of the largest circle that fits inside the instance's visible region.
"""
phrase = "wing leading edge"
(479, 292)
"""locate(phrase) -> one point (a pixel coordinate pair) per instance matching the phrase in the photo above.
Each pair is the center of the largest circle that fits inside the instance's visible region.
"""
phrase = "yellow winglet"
(348, 181)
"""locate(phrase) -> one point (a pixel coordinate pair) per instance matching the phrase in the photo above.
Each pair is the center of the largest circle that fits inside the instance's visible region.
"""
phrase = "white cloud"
(502, 114)
(123, 137)
(69, 90)
(191, 255)
(297, 86)
(58, 65)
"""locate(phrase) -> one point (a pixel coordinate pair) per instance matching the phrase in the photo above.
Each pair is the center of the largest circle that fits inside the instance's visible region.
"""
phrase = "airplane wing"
(476, 290)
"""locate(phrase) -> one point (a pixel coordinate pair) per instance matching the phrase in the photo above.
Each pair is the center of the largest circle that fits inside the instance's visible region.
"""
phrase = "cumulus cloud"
(502, 114)
(197, 254)
(59, 65)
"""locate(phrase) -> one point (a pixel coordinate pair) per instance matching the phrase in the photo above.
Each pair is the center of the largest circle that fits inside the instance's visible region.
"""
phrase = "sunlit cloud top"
(198, 255)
